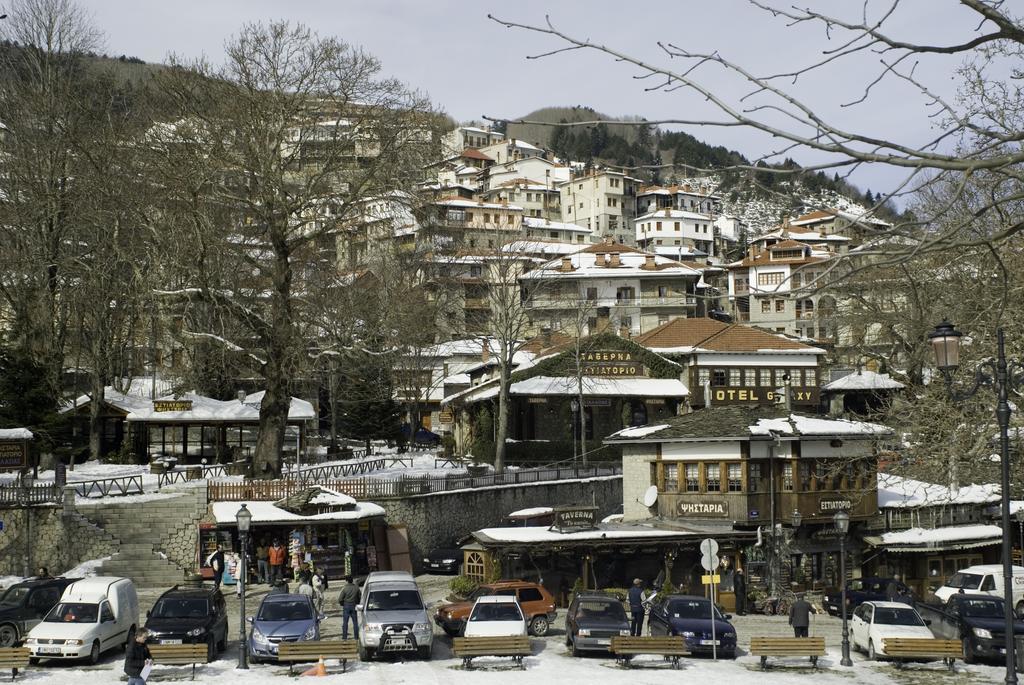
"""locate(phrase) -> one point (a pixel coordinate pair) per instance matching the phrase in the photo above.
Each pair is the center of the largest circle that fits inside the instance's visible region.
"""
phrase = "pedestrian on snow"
(216, 562)
(800, 616)
(636, 607)
(262, 565)
(137, 658)
(276, 556)
(348, 599)
(739, 587)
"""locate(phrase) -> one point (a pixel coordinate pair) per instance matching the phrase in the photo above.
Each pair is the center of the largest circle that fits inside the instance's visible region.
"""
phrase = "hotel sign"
(172, 405)
(714, 508)
(611, 363)
(13, 456)
(756, 395)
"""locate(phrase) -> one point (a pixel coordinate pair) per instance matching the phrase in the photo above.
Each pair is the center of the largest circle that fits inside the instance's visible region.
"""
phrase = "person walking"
(262, 563)
(635, 596)
(276, 556)
(892, 590)
(739, 587)
(305, 586)
(137, 659)
(216, 562)
(348, 599)
(800, 616)
(319, 586)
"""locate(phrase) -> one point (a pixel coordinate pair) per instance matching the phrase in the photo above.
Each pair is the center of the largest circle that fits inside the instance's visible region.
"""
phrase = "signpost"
(709, 561)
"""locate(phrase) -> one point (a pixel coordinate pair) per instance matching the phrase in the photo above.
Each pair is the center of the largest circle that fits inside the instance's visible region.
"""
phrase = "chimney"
(614, 260)
(600, 258)
(566, 264)
(603, 319)
(241, 396)
(608, 240)
(649, 262)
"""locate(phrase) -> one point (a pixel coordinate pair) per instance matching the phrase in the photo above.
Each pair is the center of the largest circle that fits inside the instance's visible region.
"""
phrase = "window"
(662, 319)
(753, 477)
(105, 613)
(764, 377)
(718, 378)
(713, 477)
(787, 476)
(780, 305)
(766, 306)
(795, 280)
(692, 478)
(530, 594)
(677, 227)
(735, 478)
(456, 215)
(805, 476)
(703, 376)
(475, 271)
(769, 278)
(810, 377)
(553, 234)
(662, 291)
(671, 477)
(487, 219)
(658, 225)
(591, 294)
(794, 377)
(734, 378)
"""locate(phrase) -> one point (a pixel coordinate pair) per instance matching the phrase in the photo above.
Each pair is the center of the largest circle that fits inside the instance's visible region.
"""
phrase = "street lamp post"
(243, 518)
(842, 521)
(1020, 530)
(1003, 376)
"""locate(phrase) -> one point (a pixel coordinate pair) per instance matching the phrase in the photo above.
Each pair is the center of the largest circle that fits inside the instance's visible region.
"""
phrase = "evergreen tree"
(366, 408)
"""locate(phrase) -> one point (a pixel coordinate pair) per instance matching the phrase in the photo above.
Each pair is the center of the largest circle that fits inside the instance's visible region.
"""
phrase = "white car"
(496, 616)
(873, 622)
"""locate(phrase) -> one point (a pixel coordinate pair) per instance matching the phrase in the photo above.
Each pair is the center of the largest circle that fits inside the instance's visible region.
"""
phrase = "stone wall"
(60, 540)
(439, 520)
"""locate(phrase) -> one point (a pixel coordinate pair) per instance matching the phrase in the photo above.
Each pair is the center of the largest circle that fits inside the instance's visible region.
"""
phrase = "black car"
(592, 620)
(443, 560)
(24, 604)
(978, 621)
(184, 615)
(860, 590)
(690, 616)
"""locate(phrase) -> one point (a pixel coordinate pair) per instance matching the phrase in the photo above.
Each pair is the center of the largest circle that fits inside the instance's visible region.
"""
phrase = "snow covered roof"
(863, 379)
(592, 387)
(897, 492)
(203, 408)
(540, 247)
(333, 498)
(534, 534)
(813, 425)
(532, 511)
(595, 261)
(673, 214)
(930, 539)
(16, 434)
(538, 222)
(473, 204)
(457, 379)
(266, 512)
(640, 431)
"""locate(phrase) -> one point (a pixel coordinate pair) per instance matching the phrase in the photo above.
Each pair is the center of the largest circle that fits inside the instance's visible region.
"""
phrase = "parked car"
(985, 579)
(25, 604)
(496, 616)
(282, 617)
(392, 617)
(536, 602)
(592, 620)
(976, 620)
(872, 622)
(860, 590)
(443, 560)
(690, 616)
(93, 616)
(189, 615)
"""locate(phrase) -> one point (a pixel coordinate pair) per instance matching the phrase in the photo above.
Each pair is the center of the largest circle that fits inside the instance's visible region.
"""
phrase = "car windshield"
(967, 581)
(691, 608)
(604, 611)
(292, 610)
(982, 608)
(181, 608)
(478, 593)
(73, 612)
(394, 600)
(15, 595)
(897, 617)
(504, 611)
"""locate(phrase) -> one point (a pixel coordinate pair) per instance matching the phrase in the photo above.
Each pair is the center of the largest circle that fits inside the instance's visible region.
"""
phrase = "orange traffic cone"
(319, 670)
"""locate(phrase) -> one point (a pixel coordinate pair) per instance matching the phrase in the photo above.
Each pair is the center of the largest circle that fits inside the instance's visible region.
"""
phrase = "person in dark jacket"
(216, 562)
(739, 587)
(348, 599)
(136, 657)
(635, 596)
(800, 616)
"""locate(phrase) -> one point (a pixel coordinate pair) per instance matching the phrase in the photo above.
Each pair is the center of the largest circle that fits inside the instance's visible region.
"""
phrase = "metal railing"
(335, 471)
(17, 495)
(396, 488)
(125, 485)
(181, 474)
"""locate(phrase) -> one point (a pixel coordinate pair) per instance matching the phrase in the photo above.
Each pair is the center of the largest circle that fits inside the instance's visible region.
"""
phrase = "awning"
(950, 538)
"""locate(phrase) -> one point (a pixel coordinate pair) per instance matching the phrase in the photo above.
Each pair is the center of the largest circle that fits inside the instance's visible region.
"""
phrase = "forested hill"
(131, 70)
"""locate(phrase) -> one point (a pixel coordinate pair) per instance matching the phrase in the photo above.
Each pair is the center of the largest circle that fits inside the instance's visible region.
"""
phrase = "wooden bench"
(181, 655)
(14, 658)
(312, 650)
(670, 647)
(922, 648)
(765, 647)
(515, 646)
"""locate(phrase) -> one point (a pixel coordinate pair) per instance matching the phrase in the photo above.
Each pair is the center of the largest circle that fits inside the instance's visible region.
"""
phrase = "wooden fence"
(16, 495)
(392, 488)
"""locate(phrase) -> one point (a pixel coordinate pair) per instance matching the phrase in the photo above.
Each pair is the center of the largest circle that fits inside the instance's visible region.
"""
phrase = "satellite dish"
(651, 496)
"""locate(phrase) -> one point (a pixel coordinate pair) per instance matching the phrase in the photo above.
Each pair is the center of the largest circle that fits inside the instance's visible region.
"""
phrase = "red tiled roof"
(473, 153)
(716, 336)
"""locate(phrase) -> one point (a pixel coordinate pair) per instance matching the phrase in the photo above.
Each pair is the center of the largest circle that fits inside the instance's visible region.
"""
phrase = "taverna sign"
(611, 363)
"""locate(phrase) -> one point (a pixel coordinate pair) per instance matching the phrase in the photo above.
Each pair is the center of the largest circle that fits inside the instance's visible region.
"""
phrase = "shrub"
(463, 586)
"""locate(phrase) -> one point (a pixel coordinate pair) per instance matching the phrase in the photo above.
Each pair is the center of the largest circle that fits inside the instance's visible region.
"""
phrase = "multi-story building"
(458, 224)
(614, 284)
(689, 198)
(537, 199)
(556, 231)
(458, 139)
(676, 228)
(820, 241)
(537, 170)
(511, 150)
(604, 201)
(854, 225)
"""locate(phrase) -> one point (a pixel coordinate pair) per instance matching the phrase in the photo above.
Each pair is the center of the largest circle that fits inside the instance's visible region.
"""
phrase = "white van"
(986, 579)
(93, 615)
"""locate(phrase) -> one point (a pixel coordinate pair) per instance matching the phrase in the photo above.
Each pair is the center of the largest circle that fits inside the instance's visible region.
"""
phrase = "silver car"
(392, 617)
(282, 618)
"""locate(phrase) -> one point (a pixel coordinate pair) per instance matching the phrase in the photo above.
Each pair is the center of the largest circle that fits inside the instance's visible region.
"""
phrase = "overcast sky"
(472, 66)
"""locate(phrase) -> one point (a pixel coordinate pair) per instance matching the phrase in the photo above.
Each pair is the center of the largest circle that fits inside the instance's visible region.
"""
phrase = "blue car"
(282, 618)
(860, 590)
(690, 617)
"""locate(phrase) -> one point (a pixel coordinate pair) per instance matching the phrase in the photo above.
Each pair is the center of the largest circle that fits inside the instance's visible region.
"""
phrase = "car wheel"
(871, 650)
(33, 661)
(211, 648)
(575, 650)
(539, 626)
(450, 632)
(223, 644)
(8, 635)
(1020, 610)
(423, 653)
(365, 653)
(568, 637)
(731, 654)
(94, 653)
(968, 647)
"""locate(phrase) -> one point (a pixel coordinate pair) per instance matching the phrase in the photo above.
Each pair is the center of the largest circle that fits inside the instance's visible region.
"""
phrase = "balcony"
(652, 301)
(476, 303)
